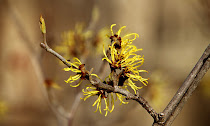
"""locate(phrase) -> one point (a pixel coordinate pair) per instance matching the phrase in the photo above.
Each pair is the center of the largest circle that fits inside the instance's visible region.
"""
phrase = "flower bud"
(42, 25)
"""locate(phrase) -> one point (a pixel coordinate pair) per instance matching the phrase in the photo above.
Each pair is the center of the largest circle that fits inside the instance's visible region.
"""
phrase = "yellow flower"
(78, 68)
(121, 41)
(133, 75)
(81, 73)
(103, 95)
(121, 49)
(73, 42)
(100, 94)
(123, 56)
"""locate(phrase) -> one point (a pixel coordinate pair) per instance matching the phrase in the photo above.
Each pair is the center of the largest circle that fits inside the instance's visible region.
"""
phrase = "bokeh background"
(173, 35)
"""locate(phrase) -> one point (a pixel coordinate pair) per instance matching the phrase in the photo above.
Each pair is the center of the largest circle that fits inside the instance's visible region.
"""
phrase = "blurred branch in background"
(57, 108)
(54, 105)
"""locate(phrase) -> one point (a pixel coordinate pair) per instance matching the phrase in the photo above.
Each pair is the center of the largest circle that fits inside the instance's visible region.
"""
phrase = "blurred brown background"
(173, 34)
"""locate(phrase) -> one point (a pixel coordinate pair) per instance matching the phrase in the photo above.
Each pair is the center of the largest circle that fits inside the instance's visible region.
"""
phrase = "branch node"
(43, 45)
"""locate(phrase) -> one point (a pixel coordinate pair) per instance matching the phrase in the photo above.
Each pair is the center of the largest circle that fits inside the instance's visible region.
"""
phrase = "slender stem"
(48, 49)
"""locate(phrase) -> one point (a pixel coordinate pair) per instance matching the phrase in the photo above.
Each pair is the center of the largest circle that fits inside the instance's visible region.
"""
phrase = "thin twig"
(39, 74)
(22, 30)
(185, 91)
(48, 49)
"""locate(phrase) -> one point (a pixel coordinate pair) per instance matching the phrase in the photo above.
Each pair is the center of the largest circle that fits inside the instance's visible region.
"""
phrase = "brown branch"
(57, 108)
(185, 91)
(48, 49)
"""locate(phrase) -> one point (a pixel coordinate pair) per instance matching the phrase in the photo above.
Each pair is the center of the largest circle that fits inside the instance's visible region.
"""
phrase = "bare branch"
(48, 49)
(57, 109)
(185, 91)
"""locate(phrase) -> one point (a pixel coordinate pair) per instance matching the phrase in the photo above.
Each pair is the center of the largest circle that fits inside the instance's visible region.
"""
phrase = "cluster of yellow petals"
(127, 59)
(73, 41)
(124, 58)
(109, 99)
(74, 68)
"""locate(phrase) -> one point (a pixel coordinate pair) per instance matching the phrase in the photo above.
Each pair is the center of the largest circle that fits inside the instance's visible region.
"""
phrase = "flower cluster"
(103, 95)
(74, 42)
(121, 55)
(81, 73)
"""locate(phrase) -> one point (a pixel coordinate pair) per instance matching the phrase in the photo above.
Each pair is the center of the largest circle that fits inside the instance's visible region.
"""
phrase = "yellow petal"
(73, 78)
(77, 84)
(106, 107)
(119, 31)
(106, 58)
(112, 102)
(135, 34)
(111, 29)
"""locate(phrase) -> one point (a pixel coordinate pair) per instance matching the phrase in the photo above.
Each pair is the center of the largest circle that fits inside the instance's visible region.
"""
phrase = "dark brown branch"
(185, 91)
